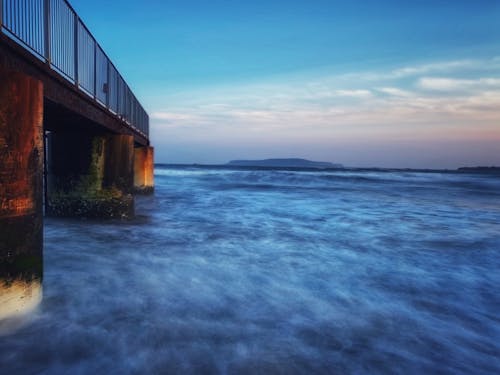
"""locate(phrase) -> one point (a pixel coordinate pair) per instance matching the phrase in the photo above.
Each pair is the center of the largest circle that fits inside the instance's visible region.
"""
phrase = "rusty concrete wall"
(144, 169)
(21, 176)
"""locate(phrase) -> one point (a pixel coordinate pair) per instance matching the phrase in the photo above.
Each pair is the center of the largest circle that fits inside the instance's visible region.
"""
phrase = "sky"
(412, 84)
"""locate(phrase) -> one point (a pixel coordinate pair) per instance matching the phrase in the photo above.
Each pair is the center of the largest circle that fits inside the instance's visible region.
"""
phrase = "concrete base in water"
(144, 170)
(21, 188)
(99, 206)
(90, 176)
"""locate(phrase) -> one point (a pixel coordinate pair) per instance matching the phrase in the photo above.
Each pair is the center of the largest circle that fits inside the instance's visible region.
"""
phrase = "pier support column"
(80, 181)
(21, 191)
(119, 162)
(144, 170)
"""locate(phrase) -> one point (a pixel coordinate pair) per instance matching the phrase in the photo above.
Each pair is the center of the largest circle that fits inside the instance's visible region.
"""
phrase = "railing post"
(46, 21)
(76, 48)
(107, 83)
(1, 15)
(95, 69)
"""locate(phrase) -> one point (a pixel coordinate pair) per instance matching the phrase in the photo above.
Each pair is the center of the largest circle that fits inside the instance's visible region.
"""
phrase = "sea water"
(248, 271)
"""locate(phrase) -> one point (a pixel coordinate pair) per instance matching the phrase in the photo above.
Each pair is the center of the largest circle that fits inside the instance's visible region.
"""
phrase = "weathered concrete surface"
(75, 162)
(21, 177)
(144, 170)
(81, 176)
(119, 162)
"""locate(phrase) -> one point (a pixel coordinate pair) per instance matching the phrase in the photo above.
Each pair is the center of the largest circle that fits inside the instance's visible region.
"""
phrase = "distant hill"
(284, 163)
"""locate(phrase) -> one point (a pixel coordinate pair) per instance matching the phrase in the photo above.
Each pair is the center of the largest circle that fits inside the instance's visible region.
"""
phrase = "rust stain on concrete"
(21, 144)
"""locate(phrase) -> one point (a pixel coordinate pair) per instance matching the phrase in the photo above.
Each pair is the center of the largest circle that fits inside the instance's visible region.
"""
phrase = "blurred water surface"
(272, 271)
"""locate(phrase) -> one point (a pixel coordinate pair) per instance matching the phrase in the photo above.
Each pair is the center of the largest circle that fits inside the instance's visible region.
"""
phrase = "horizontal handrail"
(53, 32)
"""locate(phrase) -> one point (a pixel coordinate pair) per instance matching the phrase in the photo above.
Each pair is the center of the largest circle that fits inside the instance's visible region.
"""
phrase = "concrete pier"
(21, 185)
(144, 170)
(89, 175)
(93, 123)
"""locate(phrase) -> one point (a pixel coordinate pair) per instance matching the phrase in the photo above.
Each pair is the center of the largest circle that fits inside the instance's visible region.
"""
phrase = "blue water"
(275, 272)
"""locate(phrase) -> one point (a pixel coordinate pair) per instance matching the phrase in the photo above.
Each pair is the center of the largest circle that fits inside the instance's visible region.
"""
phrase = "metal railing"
(53, 32)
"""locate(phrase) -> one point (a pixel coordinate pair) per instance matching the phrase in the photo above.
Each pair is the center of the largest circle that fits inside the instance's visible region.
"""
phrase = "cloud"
(484, 101)
(454, 84)
(329, 107)
(170, 116)
(438, 67)
(394, 91)
(442, 66)
(361, 94)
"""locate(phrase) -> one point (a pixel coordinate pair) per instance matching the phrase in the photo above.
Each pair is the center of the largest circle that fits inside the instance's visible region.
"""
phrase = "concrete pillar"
(75, 164)
(21, 184)
(82, 169)
(144, 170)
(119, 162)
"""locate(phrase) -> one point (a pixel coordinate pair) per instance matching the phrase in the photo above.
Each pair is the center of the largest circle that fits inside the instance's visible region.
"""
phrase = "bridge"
(74, 139)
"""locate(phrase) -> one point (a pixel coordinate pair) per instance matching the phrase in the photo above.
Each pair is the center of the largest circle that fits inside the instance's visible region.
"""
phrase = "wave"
(227, 178)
